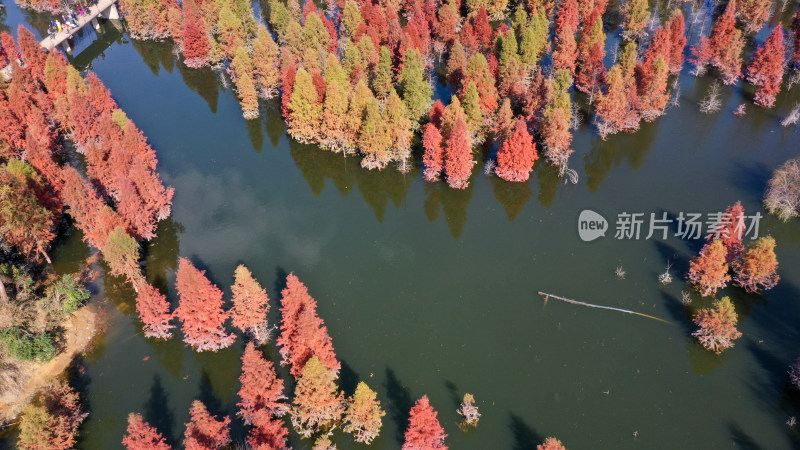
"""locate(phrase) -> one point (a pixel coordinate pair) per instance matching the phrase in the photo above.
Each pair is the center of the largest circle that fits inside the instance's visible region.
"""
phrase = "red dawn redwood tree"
(9, 46)
(517, 154)
(758, 268)
(200, 309)
(566, 49)
(141, 436)
(458, 156)
(196, 47)
(433, 158)
(262, 390)
(287, 84)
(709, 270)
(765, 70)
(32, 52)
(754, 13)
(153, 309)
(653, 96)
(303, 333)
(206, 432)
(591, 52)
(677, 37)
(268, 433)
(731, 232)
(250, 305)
(551, 443)
(796, 41)
(424, 431)
(723, 50)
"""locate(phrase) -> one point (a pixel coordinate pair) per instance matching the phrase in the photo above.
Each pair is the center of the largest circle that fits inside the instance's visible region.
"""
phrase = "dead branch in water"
(575, 302)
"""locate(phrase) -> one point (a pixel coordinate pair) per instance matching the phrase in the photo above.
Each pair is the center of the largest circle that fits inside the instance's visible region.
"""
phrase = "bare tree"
(783, 191)
(711, 103)
(793, 118)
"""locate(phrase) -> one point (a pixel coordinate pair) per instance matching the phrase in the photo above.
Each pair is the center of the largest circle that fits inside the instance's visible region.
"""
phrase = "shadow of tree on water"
(525, 437)
(400, 403)
(158, 413)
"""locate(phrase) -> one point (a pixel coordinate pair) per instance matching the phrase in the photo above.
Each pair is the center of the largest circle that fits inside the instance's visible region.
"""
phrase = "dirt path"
(79, 329)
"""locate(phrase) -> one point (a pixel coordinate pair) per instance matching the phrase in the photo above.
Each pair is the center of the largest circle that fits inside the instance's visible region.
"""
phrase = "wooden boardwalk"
(105, 9)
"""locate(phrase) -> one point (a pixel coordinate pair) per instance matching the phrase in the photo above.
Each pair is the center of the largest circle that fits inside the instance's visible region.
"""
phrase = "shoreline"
(80, 328)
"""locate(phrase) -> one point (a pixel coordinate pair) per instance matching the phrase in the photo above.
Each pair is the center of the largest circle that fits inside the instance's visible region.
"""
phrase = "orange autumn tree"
(318, 404)
(424, 430)
(206, 432)
(27, 217)
(517, 154)
(758, 268)
(363, 414)
(250, 306)
(303, 333)
(765, 70)
(200, 309)
(141, 436)
(717, 326)
(709, 270)
(551, 443)
(52, 423)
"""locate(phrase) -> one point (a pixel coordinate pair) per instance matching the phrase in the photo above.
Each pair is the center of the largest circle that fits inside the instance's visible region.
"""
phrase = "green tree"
(636, 15)
(416, 89)
(351, 19)
(121, 252)
(534, 40)
(472, 108)
(399, 126)
(382, 81)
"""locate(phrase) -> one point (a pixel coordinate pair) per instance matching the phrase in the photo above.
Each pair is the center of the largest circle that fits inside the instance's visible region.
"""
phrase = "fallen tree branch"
(575, 302)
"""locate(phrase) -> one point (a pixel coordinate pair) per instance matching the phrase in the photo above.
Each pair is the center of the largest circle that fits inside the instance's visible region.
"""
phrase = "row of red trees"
(723, 49)
(121, 198)
(317, 405)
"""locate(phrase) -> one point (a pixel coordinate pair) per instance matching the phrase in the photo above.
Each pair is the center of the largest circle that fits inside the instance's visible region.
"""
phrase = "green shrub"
(28, 347)
(69, 293)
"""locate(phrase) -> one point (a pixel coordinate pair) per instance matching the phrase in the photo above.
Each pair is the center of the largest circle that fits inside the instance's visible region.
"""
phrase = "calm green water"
(426, 290)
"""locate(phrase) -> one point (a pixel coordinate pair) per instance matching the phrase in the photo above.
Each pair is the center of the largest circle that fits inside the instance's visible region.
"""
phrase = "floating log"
(576, 302)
